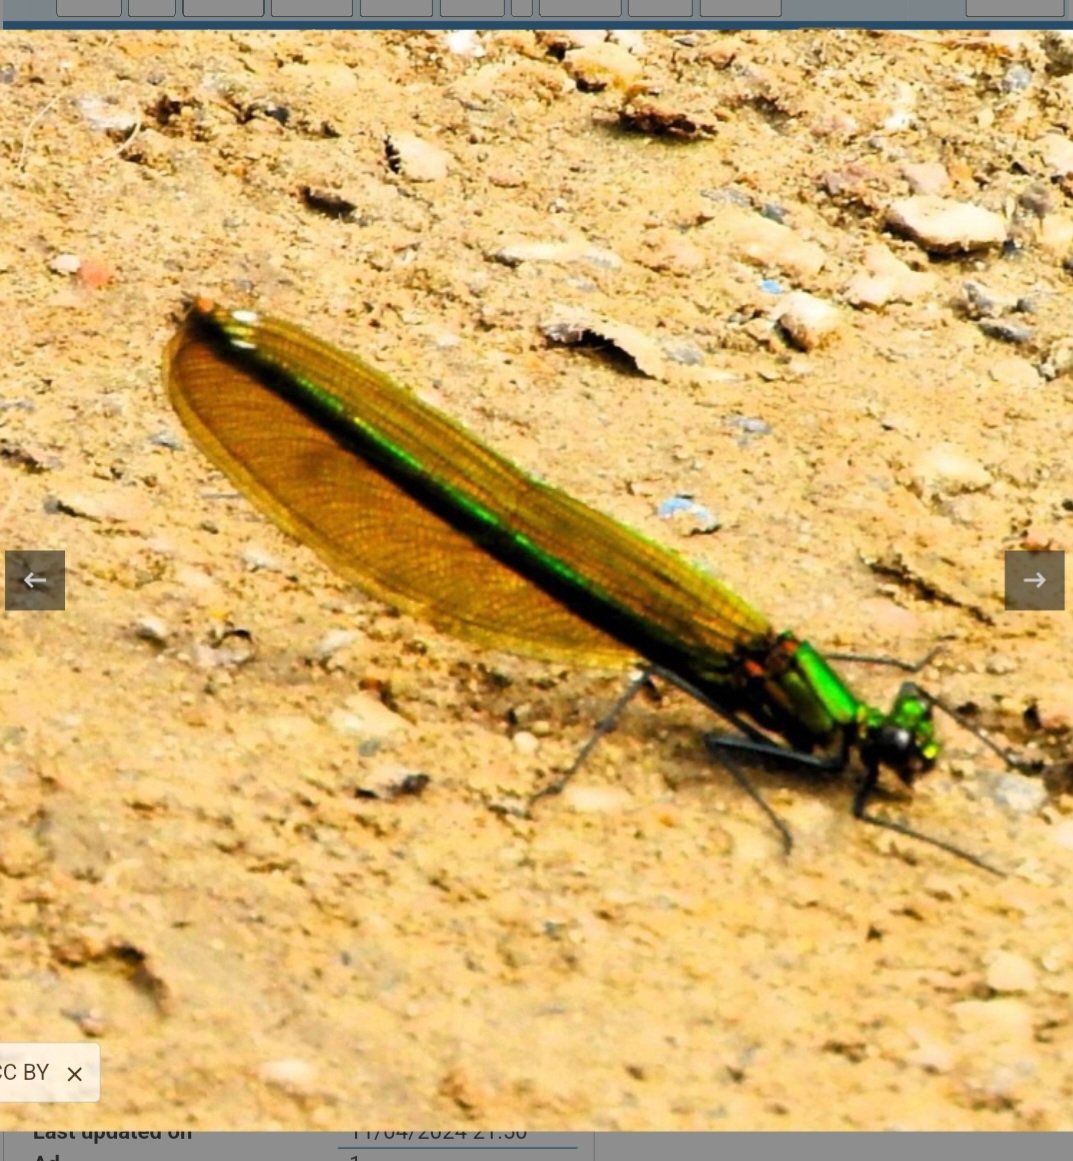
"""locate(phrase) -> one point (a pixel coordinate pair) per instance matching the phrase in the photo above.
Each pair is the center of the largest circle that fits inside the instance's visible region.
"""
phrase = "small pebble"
(292, 1076)
(885, 279)
(515, 253)
(926, 177)
(571, 326)
(631, 38)
(1006, 332)
(808, 321)
(464, 42)
(65, 264)
(103, 504)
(949, 470)
(526, 743)
(944, 226)
(667, 250)
(767, 244)
(1056, 150)
(596, 67)
(365, 716)
(1009, 972)
(520, 715)
(258, 559)
(231, 648)
(415, 159)
(152, 629)
(1000, 665)
(1059, 359)
(731, 195)
(683, 506)
(685, 354)
(388, 782)
(331, 643)
(597, 799)
(982, 302)
(677, 110)
(749, 425)
(575, 37)
(1016, 78)
(106, 114)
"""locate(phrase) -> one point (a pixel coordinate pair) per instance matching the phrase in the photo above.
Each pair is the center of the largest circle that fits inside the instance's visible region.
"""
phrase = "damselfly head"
(904, 739)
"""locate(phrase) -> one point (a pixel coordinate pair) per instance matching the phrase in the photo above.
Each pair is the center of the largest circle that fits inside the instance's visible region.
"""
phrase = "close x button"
(1036, 581)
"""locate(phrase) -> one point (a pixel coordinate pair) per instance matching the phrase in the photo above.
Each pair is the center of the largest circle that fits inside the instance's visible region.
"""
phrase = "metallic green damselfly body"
(414, 509)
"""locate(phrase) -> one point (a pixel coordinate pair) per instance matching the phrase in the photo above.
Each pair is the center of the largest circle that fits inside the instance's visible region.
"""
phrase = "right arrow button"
(1036, 581)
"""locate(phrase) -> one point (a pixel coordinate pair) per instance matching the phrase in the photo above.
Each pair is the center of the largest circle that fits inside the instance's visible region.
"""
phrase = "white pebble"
(926, 177)
(525, 742)
(580, 37)
(1057, 153)
(945, 226)
(365, 716)
(416, 159)
(808, 320)
(331, 643)
(597, 799)
(764, 243)
(603, 66)
(65, 264)
(948, 469)
(885, 279)
(291, 1076)
(390, 781)
(464, 42)
(631, 38)
(152, 629)
(1009, 972)
(258, 559)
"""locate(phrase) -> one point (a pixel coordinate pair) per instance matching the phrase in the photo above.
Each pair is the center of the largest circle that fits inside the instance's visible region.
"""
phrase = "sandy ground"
(192, 870)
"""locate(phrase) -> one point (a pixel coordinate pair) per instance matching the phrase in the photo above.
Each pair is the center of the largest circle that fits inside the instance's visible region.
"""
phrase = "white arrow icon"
(29, 580)
(1038, 580)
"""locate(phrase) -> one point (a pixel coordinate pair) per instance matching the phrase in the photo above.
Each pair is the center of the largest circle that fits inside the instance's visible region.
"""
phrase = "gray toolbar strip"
(453, 13)
(500, 1146)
